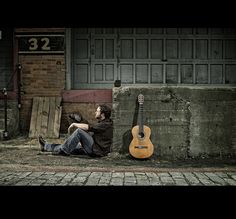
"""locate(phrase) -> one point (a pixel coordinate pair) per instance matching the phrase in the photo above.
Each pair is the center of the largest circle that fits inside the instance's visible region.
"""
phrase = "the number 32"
(34, 43)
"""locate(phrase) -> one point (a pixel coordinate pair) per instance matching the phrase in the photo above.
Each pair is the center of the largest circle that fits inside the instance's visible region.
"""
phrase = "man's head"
(103, 111)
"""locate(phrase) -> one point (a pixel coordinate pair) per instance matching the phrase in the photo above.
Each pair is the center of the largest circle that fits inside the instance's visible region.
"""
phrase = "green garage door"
(152, 56)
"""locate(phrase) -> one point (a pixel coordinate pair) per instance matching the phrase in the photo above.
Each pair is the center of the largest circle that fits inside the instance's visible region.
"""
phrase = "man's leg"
(52, 147)
(72, 142)
(45, 146)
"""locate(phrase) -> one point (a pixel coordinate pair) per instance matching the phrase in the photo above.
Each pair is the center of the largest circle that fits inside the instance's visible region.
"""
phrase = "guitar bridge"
(141, 147)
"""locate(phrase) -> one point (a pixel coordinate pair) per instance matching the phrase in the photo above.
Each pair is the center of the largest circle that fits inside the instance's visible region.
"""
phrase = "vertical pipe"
(19, 84)
(5, 133)
(19, 67)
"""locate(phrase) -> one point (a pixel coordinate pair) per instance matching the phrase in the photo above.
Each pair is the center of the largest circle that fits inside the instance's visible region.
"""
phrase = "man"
(98, 144)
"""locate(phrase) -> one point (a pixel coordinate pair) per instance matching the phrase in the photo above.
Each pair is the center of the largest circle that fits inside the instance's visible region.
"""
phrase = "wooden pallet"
(45, 117)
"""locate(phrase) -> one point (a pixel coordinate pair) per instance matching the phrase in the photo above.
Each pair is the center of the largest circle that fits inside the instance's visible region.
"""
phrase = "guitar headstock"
(140, 98)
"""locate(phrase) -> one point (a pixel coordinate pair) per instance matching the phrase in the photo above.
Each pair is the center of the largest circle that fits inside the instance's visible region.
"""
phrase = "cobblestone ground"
(22, 164)
(118, 178)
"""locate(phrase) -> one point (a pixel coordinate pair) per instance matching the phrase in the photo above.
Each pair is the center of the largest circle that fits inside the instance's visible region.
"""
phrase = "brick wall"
(45, 76)
(41, 76)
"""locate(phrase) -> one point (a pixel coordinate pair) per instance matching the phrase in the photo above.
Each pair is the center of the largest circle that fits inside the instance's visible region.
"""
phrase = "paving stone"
(36, 174)
(167, 180)
(155, 182)
(59, 174)
(79, 179)
(192, 179)
(104, 180)
(177, 175)
(107, 174)
(37, 182)
(233, 176)
(180, 182)
(163, 174)
(93, 178)
(230, 182)
(143, 182)
(216, 179)
(118, 174)
(24, 174)
(116, 181)
(23, 183)
(129, 174)
(85, 174)
(221, 174)
(130, 180)
(70, 175)
(206, 182)
(117, 178)
(201, 175)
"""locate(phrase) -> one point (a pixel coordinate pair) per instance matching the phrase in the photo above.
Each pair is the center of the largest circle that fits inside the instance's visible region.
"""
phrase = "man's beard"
(98, 117)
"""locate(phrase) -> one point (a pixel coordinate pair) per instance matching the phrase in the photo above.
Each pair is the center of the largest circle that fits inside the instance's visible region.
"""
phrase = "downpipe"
(19, 67)
(19, 86)
(5, 132)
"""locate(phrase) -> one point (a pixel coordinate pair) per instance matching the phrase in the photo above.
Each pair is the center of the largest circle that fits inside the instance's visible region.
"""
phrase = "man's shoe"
(60, 152)
(42, 143)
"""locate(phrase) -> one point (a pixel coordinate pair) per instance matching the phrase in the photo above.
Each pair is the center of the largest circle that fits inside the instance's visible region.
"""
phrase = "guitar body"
(141, 146)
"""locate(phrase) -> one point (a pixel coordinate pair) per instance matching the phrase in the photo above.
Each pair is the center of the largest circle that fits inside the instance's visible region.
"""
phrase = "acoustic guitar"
(141, 145)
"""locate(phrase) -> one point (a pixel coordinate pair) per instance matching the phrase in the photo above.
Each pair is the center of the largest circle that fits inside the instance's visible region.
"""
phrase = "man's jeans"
(72, 143)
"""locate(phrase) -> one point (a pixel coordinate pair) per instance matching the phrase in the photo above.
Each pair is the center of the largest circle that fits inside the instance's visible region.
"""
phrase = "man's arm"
(78, 125)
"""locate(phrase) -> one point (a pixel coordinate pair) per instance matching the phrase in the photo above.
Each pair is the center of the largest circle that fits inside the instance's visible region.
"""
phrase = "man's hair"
(106, 110)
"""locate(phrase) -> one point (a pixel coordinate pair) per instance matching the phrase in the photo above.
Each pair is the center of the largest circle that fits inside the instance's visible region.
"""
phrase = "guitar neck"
(140, 118)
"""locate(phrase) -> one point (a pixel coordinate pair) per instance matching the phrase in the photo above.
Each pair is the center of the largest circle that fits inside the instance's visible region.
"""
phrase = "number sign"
(40, 44)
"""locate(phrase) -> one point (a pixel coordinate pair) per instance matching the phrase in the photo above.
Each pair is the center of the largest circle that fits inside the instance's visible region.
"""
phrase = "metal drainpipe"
(5, 133)
(19, 67)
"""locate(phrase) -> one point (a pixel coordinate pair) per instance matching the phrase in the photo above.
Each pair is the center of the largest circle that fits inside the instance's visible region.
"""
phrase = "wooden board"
(45, 117)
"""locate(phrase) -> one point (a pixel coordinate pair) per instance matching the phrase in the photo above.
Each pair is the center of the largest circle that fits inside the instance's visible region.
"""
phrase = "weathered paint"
(185, 121)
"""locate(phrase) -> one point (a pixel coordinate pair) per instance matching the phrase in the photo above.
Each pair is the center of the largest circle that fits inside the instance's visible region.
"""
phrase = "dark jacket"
(103, 134)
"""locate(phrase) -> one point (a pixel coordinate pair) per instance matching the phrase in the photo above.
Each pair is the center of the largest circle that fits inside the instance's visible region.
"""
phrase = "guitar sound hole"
(141, 135)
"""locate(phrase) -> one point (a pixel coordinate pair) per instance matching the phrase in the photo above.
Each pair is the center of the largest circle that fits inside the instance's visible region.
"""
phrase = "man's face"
(98, 113)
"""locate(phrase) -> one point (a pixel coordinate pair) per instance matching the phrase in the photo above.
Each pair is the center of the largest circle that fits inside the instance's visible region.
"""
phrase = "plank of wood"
(39, 118)
(33, 121)
(45, 114)
(51, 115)
(57, 118)
(46, 117)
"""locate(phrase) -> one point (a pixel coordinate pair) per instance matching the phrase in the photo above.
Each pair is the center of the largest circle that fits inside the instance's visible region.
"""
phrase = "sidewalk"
(112, 178)
(21, 163)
